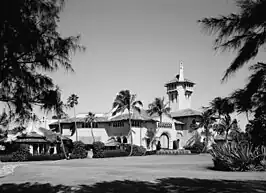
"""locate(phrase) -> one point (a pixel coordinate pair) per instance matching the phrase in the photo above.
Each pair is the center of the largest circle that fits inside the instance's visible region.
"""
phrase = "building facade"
(173, 132)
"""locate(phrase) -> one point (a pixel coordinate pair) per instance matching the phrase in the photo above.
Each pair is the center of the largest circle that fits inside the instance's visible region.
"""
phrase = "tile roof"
(176, 79)
(143, 115)
(186, 113)
(79, 119)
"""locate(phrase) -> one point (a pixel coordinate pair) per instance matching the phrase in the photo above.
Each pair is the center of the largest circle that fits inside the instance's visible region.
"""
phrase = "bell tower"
(179, 91)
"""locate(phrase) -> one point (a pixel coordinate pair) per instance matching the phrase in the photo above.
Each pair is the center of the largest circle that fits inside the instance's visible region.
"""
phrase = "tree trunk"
(61, 139)
(131, 136)
(247, 116)
(76, 129)
(206, 139)
(226, 136)
(93, 139)
(161, 119)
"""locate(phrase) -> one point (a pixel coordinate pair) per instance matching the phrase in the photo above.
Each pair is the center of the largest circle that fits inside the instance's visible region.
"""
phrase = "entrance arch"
(164, 140)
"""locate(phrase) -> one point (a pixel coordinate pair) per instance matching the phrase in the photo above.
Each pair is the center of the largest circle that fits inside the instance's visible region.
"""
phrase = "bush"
(98, 149)
(21, 154)
(6, 158)
(173, 152)
(46, 157)
(153, 152)
(79, 151)
(137, 150)
(238, 157)
(115, 153)
(196, 147)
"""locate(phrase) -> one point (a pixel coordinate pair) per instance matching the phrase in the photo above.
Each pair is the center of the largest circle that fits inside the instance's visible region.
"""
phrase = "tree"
(221, 106)
(243, 31)
(127, 101)
(31, 46)
(206, 122)
(225, 126)
(54, 103)
(158, 107)
(90, 119)
(151, 136)
(72, 101)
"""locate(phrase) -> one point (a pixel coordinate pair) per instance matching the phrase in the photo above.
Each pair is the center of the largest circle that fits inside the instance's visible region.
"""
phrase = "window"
(165, 125)
(118, 124)
(136, 123)
(118, 139)
(124, 139)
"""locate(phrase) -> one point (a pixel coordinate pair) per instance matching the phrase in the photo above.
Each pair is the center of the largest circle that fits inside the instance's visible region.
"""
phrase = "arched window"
(118, 139)
(124, 140)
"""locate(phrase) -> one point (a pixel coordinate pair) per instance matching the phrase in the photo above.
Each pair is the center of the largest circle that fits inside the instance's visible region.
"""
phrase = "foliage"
(79, 151)
(197, 147)
(21, 154)
(206, 122)
(158, 107)
(127, 101)
(238, 157)
(173, 152)
(115, 153)
(42, 157)
(243, 31)
(31, 45)
(98, 149)
(225, 125)
(90, 119)
(152, 152)
(137, 150)
(151, 137)
(72, 101)
(257, 130)
(45, 157)
(221, 106)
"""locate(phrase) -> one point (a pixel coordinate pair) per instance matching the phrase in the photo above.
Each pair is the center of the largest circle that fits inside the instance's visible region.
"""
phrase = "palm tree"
(158, 107)
(243, 31)
(72, 101)
(242, 102)
(221, 106)
(54, 103)
(127, 101)
(151, 136)
(226, 124)
(90, 118)
(206, 122)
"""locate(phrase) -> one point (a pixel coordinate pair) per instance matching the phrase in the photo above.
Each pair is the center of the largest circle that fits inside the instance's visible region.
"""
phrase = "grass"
(182, 173)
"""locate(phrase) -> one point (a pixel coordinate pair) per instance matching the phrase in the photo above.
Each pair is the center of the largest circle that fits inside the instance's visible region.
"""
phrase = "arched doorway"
(124, 139)
(164, 140)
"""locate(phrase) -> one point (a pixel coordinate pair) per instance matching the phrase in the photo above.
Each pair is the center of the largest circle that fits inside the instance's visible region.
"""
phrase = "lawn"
(183, 173)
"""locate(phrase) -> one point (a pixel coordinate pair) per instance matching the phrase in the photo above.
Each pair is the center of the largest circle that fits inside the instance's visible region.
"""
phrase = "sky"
(137, 45)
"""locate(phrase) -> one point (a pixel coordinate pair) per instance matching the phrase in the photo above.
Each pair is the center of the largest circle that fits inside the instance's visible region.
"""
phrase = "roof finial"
(181, 72)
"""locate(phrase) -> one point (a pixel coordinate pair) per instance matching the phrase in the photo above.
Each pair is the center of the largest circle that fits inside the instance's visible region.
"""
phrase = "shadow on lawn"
(162, 185)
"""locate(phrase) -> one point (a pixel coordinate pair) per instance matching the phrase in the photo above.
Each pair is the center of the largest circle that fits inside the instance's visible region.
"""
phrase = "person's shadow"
(162, 185)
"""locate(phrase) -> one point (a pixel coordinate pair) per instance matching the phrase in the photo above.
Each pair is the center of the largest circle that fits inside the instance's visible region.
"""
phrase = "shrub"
(137, 150)
(79, 151)
(115, 153)
(98, 149)
(21, 154)
(45, 157)
(173, 152)
(6, 158)
(196, 147)
(153, 152)
(238, 157)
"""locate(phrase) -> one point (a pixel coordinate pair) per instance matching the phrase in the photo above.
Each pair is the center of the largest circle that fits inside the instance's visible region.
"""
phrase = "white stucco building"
(175, 127)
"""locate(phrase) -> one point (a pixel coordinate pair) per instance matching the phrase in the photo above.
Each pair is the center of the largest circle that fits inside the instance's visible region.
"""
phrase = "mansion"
(173, 132)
